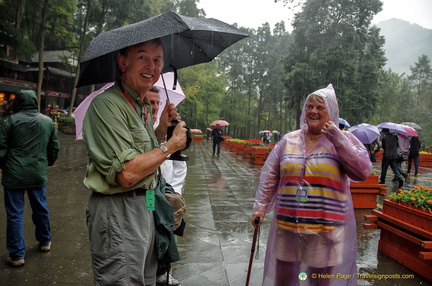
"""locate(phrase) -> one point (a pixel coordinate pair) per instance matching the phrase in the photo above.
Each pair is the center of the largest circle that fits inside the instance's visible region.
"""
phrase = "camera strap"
(126, 95)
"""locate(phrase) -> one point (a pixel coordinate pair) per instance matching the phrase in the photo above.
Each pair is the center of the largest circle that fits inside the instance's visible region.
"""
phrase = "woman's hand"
(257, 215)
(327, 125)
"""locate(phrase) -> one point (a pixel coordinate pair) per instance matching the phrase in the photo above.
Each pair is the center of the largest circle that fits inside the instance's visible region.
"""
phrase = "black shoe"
(400, 183)
(416, 174)
(382, 183)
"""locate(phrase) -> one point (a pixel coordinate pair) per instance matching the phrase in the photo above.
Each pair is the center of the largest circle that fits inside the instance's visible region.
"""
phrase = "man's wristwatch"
(164, 149)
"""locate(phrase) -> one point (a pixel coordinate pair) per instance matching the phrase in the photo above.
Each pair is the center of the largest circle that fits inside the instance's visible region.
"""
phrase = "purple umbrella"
(393, 127)
(366, 133)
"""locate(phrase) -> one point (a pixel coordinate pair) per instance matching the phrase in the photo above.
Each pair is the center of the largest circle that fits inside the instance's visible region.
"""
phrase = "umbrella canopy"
(404, 142)
(220, 122)
(412, 124)
(81, 110)
(393, 127)
(410, 130)
(344, 123)
(275, 131)
(187, 41)
(175, 96)
(366, 133)
(266, 132)
(196, 131)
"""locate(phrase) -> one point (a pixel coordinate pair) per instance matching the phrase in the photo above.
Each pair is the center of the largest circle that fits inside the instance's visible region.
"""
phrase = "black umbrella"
(187, 41)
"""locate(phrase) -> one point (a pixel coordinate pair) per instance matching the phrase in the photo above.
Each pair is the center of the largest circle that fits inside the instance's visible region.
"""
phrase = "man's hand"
(169, 114)
(179, 137)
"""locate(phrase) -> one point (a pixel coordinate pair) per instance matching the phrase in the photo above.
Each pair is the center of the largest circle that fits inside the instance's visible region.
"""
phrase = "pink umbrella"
(220, 122)
(175, 97)
(410, 131)
(81, 110)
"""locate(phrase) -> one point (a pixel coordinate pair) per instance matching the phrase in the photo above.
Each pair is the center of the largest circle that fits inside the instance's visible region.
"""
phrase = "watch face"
(163, 148)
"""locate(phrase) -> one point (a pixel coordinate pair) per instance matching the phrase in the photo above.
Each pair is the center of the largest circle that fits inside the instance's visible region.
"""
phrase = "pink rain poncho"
(312, 239)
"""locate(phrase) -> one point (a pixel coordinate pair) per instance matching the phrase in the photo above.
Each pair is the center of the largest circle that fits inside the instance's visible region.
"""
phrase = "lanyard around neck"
(126, 95)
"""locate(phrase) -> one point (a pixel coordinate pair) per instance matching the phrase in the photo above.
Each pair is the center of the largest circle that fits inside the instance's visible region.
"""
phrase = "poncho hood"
(329, 96)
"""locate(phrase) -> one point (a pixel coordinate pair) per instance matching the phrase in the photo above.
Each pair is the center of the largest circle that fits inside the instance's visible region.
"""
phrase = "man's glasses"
(158, 103)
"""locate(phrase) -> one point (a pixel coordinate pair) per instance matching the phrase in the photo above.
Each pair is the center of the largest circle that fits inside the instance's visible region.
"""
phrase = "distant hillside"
(405, 42)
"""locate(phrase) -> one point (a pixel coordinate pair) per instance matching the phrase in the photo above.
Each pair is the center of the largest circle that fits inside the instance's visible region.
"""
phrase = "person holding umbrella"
(390, 145)
(305, 182)
(216, 135)
(125, 153)
(414, 151)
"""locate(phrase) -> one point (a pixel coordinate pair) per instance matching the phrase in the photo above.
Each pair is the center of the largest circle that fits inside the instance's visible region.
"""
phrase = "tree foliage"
(333, 43)
(261, 81)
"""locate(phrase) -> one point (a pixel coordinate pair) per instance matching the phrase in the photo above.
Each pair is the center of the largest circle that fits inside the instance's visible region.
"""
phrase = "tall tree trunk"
(19, 13)
(41, 50)
(81, 48)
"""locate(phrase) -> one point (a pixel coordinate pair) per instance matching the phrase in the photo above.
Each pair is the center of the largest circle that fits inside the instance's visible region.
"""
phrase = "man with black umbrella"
(125, 153)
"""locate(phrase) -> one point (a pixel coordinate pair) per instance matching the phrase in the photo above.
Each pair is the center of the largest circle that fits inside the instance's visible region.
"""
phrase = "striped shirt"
(311, 195)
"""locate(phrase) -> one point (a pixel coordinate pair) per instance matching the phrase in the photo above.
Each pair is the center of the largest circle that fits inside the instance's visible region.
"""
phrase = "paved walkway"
(216, 247)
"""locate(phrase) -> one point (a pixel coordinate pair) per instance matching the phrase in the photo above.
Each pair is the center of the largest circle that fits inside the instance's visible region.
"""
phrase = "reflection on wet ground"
(216, 247)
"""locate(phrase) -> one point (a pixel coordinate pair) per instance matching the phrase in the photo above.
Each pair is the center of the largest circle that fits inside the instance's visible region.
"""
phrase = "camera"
(179, 156)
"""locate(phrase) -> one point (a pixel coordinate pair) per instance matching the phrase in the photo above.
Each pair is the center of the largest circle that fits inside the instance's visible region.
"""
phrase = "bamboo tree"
(44, 13)
(82, 39)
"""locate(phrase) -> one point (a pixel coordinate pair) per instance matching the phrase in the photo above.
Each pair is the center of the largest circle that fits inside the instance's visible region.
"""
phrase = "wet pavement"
(216, 247)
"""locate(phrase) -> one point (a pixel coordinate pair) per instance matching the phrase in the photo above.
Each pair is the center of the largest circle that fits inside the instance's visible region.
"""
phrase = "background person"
(28, 145)
(305, 181)
(390, 145)
(122, 173)
(413, 155)
(216, 135)
(173, 171)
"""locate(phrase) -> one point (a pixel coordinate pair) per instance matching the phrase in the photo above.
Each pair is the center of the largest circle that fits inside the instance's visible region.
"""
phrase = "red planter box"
(258, 150)
(406, 235)
(364, 194)
(425, 160)
(379, 154)
(240, 149)
(258, 160)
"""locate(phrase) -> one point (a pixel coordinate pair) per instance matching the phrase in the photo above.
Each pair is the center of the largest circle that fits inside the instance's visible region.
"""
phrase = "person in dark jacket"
(216, 135)
(28, 145)
(390, 146)
(413, 154)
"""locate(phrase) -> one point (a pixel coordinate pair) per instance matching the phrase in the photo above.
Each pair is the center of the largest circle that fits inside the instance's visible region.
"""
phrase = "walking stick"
(255, 235)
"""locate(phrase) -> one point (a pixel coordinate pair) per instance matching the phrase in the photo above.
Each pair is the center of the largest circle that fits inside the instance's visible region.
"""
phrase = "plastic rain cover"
(312, 239)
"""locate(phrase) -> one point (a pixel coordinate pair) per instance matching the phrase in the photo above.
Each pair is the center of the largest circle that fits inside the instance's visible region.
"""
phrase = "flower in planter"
(254, 142)
(419, 196)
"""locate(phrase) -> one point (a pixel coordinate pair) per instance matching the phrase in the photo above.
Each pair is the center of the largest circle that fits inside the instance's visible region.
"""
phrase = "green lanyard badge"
(150, 200)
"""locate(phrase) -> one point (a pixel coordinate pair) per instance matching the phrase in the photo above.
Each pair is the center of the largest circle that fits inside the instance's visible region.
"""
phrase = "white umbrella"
(175, 95)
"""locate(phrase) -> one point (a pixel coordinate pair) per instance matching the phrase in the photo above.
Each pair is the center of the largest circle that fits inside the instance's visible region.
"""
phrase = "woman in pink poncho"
(305, 182)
